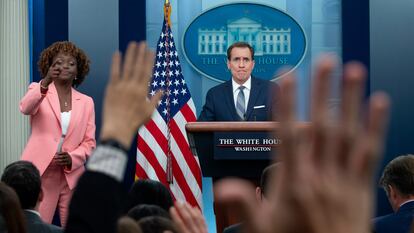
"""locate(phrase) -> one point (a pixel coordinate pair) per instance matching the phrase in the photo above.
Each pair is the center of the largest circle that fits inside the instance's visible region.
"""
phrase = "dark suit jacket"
(398, 222)
(36, 225)
(96, 204)
(219, 105)
(3, 227)
(235, 228)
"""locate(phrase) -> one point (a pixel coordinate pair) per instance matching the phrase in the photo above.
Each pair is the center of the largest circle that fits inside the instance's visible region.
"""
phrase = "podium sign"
(240, 148)
(244, 145)
(202, 138)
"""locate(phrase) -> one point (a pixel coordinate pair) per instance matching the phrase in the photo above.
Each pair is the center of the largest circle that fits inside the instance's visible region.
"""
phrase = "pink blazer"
(46, 130)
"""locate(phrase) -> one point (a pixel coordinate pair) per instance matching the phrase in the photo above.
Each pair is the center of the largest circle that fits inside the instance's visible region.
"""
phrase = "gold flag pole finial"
(167, 12)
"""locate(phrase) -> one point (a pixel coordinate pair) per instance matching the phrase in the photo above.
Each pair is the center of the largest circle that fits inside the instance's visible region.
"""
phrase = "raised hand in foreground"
(326, 183)
(126, 106)
(188, 219)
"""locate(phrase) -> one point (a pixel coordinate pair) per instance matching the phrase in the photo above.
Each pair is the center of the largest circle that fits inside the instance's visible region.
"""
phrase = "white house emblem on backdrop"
(264, 40)
(277, 39)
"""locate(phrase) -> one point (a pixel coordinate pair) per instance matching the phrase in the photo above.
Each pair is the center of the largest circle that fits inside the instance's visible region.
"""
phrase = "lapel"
(254, 93)
(75, 112)
(230, 100)
(53, 99)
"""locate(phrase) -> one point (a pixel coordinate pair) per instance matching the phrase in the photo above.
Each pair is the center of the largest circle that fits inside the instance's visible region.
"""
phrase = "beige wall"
(14, 76)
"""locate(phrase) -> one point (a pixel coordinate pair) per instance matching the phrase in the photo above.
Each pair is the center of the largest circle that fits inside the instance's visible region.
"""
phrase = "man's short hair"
(265, 177)
(157, 224)
(145, 210)
(399, 173)
(149, 192)
(126, 224)
(240, 44)
(24, 178)
(11, 214)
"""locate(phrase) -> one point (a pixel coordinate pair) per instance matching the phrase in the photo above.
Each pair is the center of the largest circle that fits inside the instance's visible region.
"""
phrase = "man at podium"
(243, 98)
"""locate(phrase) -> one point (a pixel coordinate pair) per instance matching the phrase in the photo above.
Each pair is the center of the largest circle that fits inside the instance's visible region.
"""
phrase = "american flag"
(163, 152)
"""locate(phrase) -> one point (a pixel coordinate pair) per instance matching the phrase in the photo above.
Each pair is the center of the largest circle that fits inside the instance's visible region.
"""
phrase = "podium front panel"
(220, 166)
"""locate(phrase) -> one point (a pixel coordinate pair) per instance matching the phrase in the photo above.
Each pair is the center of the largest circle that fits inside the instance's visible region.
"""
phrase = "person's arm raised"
(96, 203)
(126, 105)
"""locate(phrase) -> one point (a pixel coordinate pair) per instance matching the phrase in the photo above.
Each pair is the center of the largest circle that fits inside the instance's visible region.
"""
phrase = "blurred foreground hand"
(326, 183)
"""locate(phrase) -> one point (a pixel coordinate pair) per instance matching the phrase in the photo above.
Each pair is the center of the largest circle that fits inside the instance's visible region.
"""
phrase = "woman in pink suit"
(62, 123)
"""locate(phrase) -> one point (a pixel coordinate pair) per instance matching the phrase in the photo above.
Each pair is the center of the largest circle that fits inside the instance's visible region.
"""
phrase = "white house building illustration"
(264, 40)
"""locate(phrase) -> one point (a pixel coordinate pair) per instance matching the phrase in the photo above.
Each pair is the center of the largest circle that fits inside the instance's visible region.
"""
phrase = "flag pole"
(167, 13)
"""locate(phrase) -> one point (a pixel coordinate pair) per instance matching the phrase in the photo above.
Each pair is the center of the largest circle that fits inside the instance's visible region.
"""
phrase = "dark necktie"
(240, 104)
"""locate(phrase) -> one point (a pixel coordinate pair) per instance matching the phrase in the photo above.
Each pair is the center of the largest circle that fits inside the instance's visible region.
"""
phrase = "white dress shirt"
(64, 123)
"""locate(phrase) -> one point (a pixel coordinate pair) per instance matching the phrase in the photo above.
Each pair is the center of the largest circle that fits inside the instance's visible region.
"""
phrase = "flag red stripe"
(179, 176)
(140, 172)
(185, 150)
(157, 134)
(188, 113)
(152, 159)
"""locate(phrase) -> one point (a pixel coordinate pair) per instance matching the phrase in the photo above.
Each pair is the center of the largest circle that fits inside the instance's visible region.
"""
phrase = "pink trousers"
(56, 194)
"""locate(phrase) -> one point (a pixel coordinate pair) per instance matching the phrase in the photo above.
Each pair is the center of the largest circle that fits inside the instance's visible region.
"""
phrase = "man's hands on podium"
(326, 181)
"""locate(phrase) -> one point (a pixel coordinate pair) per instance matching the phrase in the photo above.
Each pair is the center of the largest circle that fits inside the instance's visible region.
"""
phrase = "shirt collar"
(247, 84)
(406, 202)
(33, 211)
